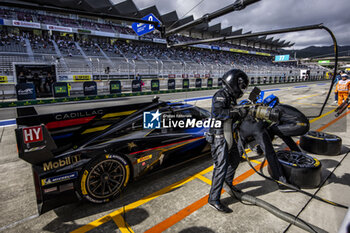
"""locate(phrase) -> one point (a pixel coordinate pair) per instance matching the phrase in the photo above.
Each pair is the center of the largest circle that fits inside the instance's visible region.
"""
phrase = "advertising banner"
(3, 79)
(81, 78)
(197, 75)
(1, 22)
(215, 47)
(84, 31)
(210, 82)
(25, 24)
(171, 84)
(239, 51)
(90, 88)
(171, 76)
(106, 34)
(60, 90)
(157, 40)
(198, 83)
(136, 86)
(58, 28)
(115, 87)
(25, 91)
(263, 54)
(125, 36)
(145, 39)
(62, 78)
(184, 75)
(185, 83)
(155, 85)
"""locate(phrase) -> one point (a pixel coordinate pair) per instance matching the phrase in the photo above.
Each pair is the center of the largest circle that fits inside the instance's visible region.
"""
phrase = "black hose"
(281, 214)
(329, 175)
(271, 208)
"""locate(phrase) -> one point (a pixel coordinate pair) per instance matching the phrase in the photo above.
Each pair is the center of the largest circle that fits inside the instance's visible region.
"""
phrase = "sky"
(272, 14)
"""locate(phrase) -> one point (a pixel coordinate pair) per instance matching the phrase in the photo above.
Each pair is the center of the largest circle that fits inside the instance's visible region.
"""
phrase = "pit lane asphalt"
(181, 207)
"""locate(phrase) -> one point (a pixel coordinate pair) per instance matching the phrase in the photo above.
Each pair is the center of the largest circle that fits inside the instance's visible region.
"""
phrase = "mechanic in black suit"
(223, 147)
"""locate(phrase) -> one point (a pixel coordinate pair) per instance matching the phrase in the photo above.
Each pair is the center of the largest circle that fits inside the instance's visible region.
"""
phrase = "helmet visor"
(243, 86)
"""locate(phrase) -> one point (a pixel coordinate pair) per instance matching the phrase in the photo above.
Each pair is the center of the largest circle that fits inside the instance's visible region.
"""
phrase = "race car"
(94, 154)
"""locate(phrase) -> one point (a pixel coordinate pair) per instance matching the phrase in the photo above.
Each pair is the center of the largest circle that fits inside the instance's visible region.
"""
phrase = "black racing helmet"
(235, 82)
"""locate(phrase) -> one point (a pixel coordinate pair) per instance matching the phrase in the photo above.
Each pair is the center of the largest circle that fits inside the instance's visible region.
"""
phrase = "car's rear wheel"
(300, 169)
(321, 143)
(104, 179)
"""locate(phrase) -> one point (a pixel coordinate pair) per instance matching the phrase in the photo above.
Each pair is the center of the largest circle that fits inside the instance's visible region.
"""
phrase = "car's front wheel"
(104, 178)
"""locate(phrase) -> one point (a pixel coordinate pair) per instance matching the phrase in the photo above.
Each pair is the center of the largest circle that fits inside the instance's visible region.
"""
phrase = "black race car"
(93, 154)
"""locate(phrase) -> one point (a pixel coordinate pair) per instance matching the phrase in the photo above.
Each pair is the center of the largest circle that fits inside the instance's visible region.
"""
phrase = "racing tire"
(103, 179)
(321, 143)
(300, 169)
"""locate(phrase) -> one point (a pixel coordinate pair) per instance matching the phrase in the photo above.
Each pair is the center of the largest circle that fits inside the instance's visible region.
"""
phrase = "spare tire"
(300, 169)
(321, 143)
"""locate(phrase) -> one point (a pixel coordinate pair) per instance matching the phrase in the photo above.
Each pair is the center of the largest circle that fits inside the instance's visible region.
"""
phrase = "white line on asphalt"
(19, 222)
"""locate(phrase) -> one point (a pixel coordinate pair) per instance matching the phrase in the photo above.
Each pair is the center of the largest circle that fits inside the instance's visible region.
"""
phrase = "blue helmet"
(271, 100)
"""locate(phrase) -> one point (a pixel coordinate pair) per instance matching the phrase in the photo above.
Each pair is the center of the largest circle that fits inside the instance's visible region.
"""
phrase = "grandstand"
(110, 49)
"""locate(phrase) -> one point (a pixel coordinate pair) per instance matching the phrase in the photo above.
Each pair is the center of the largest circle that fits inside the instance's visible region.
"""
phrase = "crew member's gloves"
(243, 112)
(239, 112)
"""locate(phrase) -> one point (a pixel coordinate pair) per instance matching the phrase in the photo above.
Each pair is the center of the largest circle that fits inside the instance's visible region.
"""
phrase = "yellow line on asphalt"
(317, 118)
(252, 160)
(134, 205)
(122, 225)
(203, 178)
(304, 97)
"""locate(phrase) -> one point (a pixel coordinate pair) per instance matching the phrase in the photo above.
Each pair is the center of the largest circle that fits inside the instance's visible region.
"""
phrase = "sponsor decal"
(61, 89)
(156, 120)
(25, 24)
(61, 162)
(215, 47)
(136, 85)
(131, 145)
(263, 54)
(78, 78)
(239, 51)
(27, 91)
(142, 159)
(84, 31)
(127, 175)
(59, 28)
(96, 201)
(49, 190)
(32, 134)
(63, 78)
(74, 115)
(82, 183)
(60, 178)
(89, 88)
(65, 187)
(3, 79)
